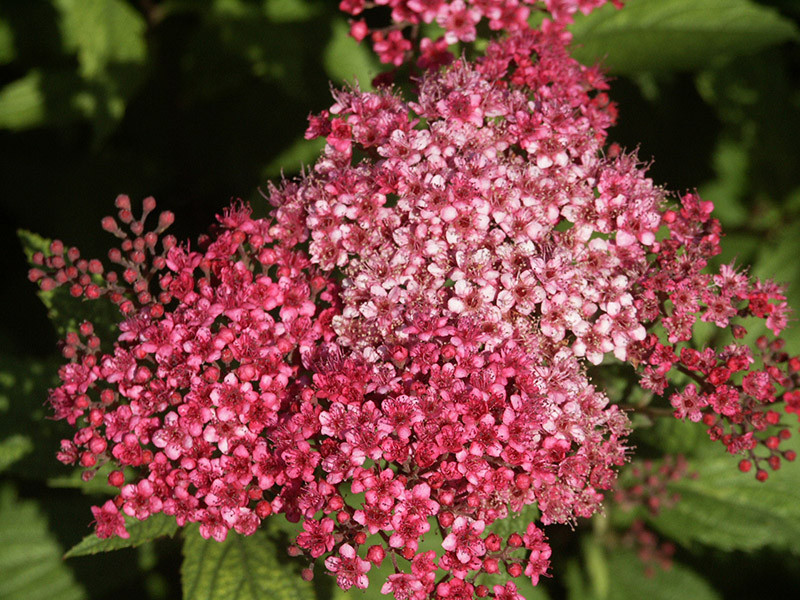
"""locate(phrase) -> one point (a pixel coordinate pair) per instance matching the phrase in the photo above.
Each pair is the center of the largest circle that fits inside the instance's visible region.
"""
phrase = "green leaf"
(301, 153)
(41, 97)
(240, 568)
(623, 576)
(670, 35)
(108, 37)
(516, 522)
(102, 32)
(287, 11)
(154, 527)
(7, 50)
(777, 260)
(730, 510)
(30, 556)
(630, 581)
(14, 448)
(23, 394)
(346, 60)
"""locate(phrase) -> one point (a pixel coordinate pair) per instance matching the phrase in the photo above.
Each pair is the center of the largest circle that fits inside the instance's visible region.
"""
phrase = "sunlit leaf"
(40, 97)
(14, 448)
(240, 568)
(154, 527)
(30, 556)
(286, 11)
(667, 35)
(346, 60)
(102, 32)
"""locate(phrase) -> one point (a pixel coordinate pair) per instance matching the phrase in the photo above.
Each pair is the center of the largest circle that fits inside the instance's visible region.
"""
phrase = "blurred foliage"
(199, 101)
(617, 574)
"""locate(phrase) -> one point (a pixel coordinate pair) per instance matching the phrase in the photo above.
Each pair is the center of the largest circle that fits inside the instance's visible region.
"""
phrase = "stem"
(650, 411)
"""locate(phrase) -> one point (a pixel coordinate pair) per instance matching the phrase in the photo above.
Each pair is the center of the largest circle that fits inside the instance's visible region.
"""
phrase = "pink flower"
(349, 568)
(108, 521)
(317, 537)
(464, 539)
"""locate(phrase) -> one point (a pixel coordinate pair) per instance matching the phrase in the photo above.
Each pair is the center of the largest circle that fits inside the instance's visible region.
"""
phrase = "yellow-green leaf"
(240, 568)
(154, 527)
(669, 35)
(30, 557)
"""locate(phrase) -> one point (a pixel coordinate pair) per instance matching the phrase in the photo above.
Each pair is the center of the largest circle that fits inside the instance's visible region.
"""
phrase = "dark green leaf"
(7, 50)
(670, 35)
(30, 557)
(240, 568)
(23, 396)
(108, 37)
(288, 11)
(65, 312)
(620, 575)
(629, 580)
(154, 527)
(730, 510)
(300, 154)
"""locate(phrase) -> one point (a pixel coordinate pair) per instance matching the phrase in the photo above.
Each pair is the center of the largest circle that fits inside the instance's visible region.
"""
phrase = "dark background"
(217, 105)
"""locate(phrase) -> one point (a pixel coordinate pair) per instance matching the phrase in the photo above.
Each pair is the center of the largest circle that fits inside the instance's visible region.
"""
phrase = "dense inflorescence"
(459, 20)
(404, 343)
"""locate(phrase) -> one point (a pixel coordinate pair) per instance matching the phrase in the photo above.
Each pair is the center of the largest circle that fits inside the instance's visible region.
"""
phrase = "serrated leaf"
(671, 35)
(346, 60)
(30, 557)
(730, 510)
(154, 527)
(240, 568)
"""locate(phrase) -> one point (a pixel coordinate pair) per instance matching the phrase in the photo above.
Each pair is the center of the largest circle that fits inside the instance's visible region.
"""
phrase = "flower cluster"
(404, 342)
(727, 388)
(458, 19)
